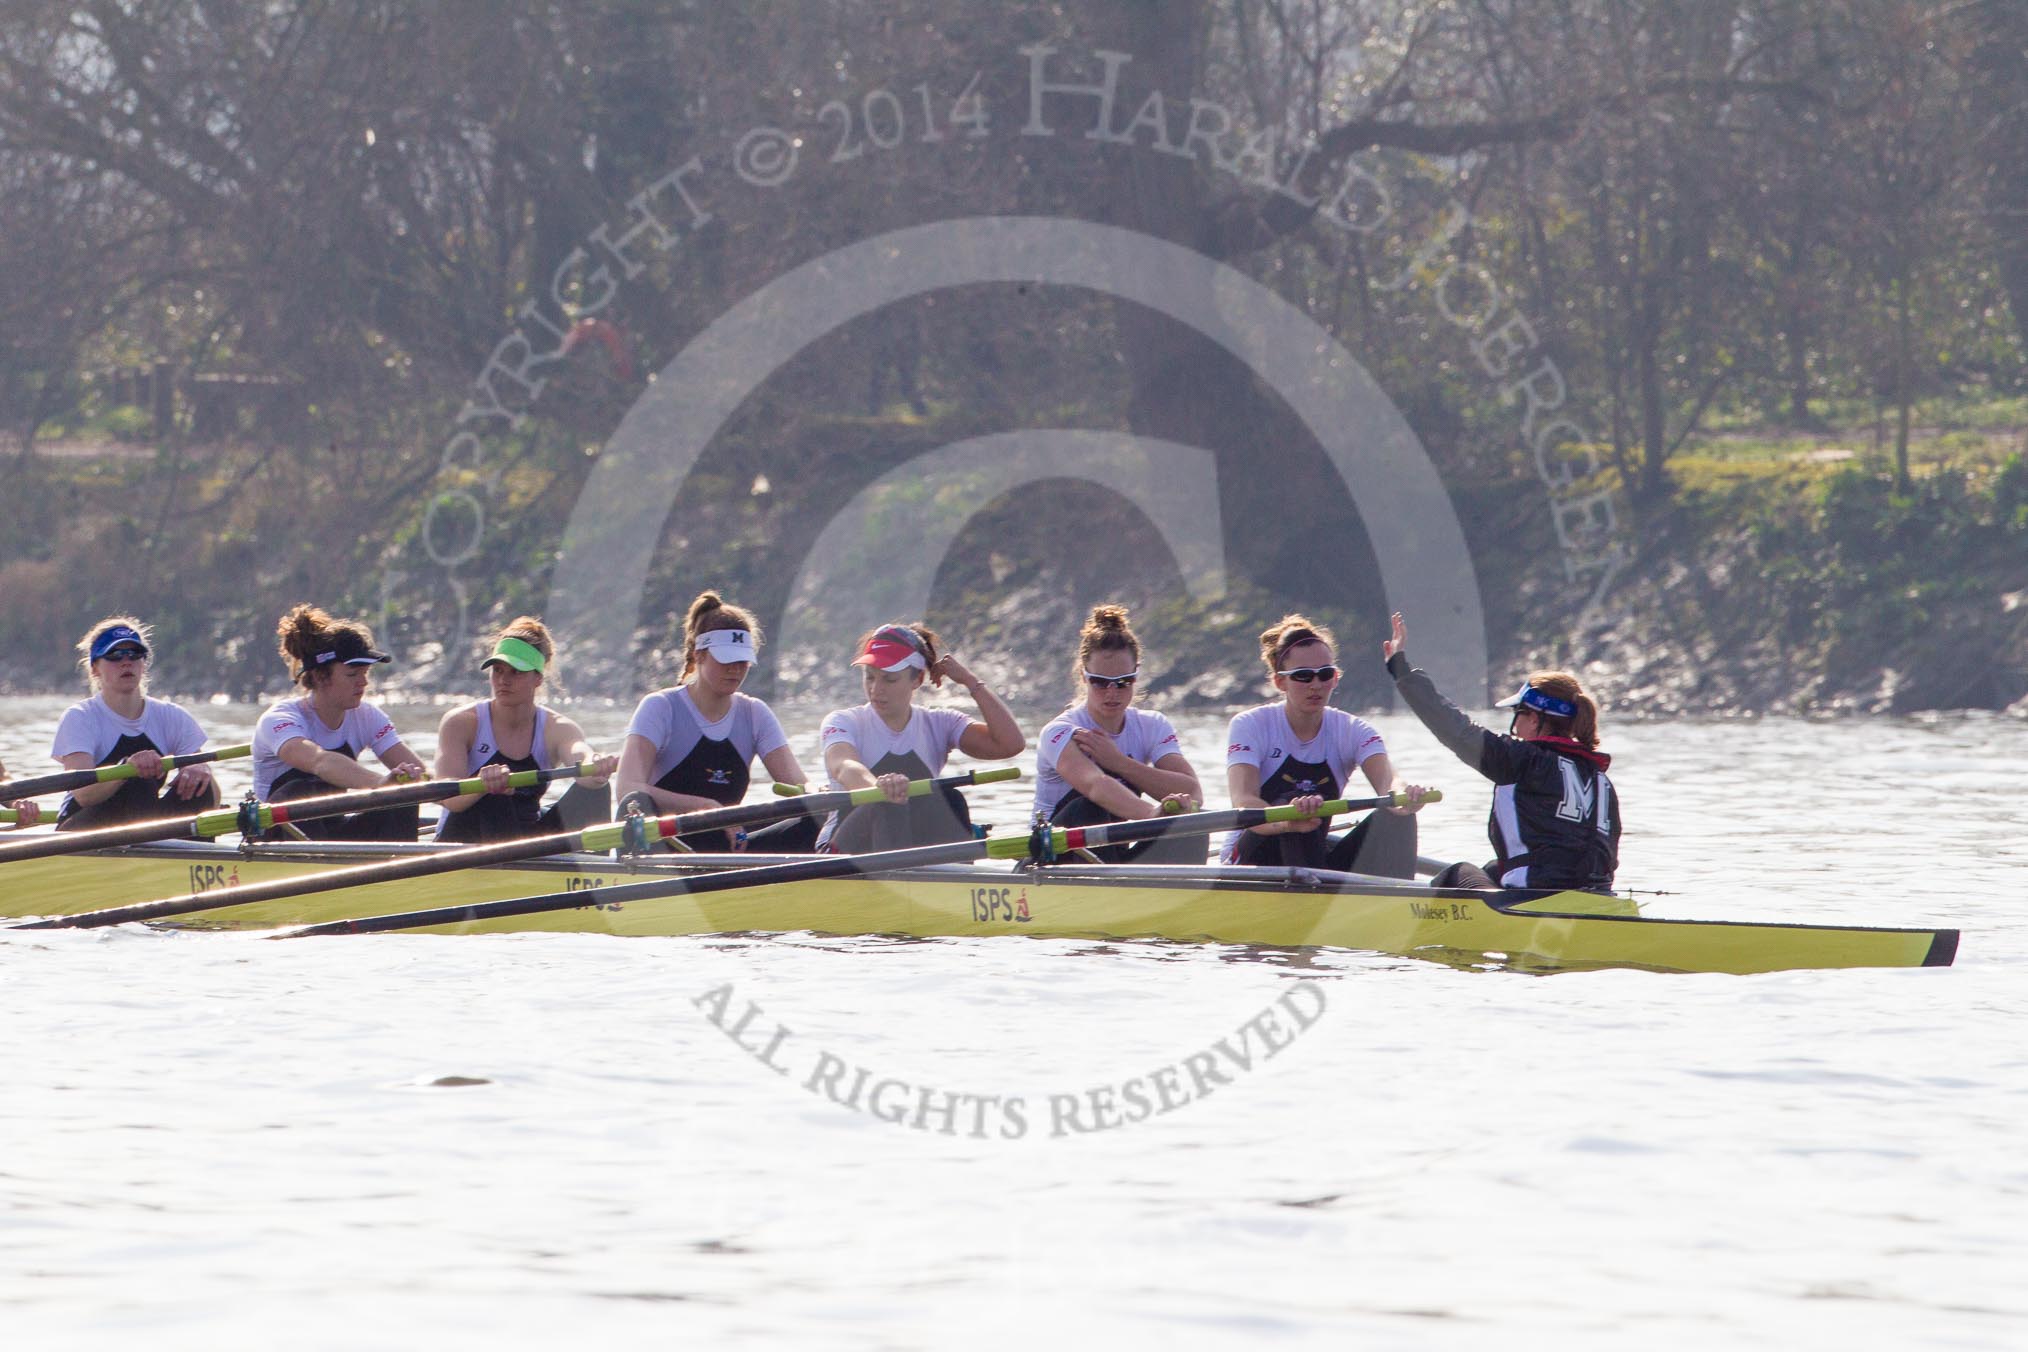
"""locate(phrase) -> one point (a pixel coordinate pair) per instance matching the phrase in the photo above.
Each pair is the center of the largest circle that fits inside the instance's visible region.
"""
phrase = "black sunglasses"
(1111, 682)
(126, 655)
(1308, 674)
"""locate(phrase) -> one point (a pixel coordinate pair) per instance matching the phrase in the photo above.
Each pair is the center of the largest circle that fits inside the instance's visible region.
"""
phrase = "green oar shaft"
(67, 781)
(222, 821)
(832, 866)
(1062, 840)
(807, 805)
(917, 788)
(359, 875)
(8, 816)
(449, 861)
(394, 795)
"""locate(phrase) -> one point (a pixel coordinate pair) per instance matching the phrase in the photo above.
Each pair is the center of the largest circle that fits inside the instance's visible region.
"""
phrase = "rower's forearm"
(1160, 783)
(681, 804)
(1119, 800)
(852, 774)
(340, 771)
(93, 794)
(1254, 801)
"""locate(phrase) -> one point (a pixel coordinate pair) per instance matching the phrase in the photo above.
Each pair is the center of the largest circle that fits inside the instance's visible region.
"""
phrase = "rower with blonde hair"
(492, 738)
(122, 723)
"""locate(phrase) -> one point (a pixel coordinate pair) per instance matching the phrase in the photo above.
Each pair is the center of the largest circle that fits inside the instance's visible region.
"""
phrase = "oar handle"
(917, 788)
(259, 817)
(923, 788)
(1340, 806)
(1062, 840)
(270, 815)
(67, 780)
(655, 829)
(9, 817)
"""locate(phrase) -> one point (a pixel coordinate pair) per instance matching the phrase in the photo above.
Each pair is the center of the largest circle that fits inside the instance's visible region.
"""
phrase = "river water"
(211, 1141)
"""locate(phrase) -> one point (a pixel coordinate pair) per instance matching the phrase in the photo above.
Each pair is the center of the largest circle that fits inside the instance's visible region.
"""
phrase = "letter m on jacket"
(1580, 792)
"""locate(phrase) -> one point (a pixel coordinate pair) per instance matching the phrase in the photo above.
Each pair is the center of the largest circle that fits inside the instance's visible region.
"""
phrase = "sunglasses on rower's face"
(125, 655)
(1308, 674)
(1112, 682)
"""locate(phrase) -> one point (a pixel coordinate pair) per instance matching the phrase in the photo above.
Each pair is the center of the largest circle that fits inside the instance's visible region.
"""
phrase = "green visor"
(517, 653)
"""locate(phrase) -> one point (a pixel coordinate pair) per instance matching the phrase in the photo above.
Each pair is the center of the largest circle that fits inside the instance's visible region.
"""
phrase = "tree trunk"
(1654, 404)
(1903, 340)
(1797, 288)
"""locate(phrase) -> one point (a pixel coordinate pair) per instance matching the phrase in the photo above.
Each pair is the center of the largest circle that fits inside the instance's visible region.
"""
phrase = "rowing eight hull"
(1260, 907)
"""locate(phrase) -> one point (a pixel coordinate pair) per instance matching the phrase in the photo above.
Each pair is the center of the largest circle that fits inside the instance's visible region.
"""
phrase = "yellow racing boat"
(1272, 907)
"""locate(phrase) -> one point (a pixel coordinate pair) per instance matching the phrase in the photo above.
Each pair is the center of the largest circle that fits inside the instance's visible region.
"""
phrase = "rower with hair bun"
(121, 723)
(309, 747)
(691, 748)
(1095, 761)
(1556, 818)
(1299, 750)
(511, 731)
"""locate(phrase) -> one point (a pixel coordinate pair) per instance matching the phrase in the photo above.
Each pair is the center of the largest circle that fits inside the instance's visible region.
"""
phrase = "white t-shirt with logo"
(361, 730)
(90, 726)
(1145, 737)
(1261, 737)
(931, 734)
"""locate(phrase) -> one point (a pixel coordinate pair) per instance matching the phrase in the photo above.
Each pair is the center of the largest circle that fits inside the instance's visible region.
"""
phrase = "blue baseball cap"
(1528, 697)
(118, 636)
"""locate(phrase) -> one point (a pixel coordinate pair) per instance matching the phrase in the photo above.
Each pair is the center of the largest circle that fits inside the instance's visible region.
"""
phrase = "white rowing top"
(672, 725)
(362, 729)
(92, 727)
(1146, 737)
(1261, 737)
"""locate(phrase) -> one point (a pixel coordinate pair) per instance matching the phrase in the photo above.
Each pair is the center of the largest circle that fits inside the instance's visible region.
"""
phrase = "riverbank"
(1784, 574)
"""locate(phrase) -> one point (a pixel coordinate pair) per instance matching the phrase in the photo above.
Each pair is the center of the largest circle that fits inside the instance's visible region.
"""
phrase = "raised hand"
(1397, 641)
(948, 667)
